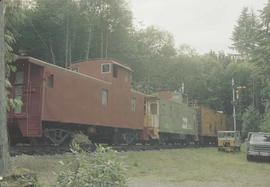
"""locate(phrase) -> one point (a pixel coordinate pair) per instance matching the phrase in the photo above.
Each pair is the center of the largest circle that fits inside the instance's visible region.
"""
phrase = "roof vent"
(23, 52)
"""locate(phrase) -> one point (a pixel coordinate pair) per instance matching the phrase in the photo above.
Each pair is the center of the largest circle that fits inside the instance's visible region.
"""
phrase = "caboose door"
(154, 114)
(35, 88)
(152, 118)
(27, 85)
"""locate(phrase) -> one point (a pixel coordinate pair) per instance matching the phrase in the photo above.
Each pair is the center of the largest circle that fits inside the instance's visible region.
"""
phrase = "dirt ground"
(191, 167)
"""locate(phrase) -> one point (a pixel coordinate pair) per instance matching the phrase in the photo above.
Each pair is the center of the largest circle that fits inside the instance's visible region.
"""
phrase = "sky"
(203, 24)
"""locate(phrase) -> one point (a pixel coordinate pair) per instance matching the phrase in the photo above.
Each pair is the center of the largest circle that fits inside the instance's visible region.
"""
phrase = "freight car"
(177, 121)
(209, 123)
(94, 97)
(171, 120)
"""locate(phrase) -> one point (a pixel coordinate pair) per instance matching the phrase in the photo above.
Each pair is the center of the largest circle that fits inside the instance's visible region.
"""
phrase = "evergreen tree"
(245, 33)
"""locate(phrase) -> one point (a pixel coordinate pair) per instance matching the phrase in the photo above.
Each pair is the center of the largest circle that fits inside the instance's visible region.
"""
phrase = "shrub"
(265, 127)
(20, 177)
(81, 142)
(102, 168)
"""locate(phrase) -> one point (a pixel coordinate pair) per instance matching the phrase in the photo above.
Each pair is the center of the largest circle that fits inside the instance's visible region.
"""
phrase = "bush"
(265, 127)
(81, 142)
(101, 168)
(20, 177)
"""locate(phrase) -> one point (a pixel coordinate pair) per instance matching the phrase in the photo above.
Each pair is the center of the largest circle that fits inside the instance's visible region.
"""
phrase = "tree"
(187, 50)
(251, 39)
(66, 31)
(4, 154)
(265, 126)
(251, 121)
(245, 33)
(260, 54)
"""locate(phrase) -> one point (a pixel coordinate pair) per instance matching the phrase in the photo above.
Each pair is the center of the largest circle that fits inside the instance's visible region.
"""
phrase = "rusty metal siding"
(211, 122)
(76, 99)
(138, 114)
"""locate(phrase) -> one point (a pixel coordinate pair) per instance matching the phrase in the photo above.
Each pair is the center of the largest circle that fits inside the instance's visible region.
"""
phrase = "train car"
(175, 121)
(209, 123)
(94, 97)
(169, 119)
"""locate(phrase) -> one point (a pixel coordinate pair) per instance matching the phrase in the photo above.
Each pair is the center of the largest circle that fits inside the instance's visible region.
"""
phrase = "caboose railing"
(24, 99)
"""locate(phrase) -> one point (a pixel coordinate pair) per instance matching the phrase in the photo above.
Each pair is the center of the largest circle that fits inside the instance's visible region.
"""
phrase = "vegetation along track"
(53, 150)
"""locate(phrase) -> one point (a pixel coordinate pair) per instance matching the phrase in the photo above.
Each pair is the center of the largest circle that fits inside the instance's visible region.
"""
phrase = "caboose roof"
(44, 64)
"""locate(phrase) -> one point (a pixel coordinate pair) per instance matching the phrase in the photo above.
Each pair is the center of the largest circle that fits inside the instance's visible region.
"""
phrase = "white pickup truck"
(258, 145)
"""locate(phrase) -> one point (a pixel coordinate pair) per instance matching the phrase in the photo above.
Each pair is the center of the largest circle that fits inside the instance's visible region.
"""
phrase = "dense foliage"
(20, 177)
(251, 39)
(251, 121)
(9, 54)
(102, 168)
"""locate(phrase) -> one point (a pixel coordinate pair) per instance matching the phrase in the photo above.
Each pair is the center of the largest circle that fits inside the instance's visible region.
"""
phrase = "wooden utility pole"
(234, 103)
(4, 154)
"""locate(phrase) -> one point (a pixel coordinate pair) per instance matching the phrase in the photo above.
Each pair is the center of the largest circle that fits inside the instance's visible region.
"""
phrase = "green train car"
(177, 121)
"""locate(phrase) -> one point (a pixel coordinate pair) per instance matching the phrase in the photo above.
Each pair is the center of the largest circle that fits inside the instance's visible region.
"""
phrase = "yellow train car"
(210, 122)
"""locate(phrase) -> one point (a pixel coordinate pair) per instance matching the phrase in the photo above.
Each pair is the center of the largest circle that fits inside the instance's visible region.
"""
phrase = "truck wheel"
(249, 158)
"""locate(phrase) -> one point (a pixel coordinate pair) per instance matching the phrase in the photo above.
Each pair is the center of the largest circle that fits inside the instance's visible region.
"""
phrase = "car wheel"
(249, 157)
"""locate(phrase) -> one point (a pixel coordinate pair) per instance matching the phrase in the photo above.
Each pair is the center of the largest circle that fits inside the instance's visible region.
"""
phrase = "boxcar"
(209, 122)
(94, 97)
(177, 121)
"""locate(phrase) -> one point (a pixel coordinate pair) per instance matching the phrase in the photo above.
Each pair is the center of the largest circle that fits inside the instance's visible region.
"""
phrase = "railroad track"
(53, 150)
(38, 150)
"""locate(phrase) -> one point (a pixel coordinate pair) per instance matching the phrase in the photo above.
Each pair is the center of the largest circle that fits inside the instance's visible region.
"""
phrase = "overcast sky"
(203, 24)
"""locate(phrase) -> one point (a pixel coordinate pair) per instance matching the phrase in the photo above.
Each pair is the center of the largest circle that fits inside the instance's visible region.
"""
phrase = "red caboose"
(94, 97)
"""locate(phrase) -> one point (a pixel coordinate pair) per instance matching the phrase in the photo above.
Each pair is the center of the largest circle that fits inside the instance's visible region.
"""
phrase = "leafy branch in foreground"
(102, 168)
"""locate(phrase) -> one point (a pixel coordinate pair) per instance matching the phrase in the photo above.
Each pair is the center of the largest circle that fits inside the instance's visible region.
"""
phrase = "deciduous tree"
(4, 154)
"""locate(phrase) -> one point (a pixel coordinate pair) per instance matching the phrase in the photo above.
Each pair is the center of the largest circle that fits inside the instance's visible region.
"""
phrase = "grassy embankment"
(183, 167)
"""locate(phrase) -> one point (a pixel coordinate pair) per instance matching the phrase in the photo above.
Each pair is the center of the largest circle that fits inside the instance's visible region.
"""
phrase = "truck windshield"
(226, 134)
(221, 135)
(260, 138)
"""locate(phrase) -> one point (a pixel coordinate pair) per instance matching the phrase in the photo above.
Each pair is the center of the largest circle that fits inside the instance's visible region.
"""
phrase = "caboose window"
(153, 107)
(133, 104)
(50, 81)
(19, 77)
(105, 68)
(104, 97)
